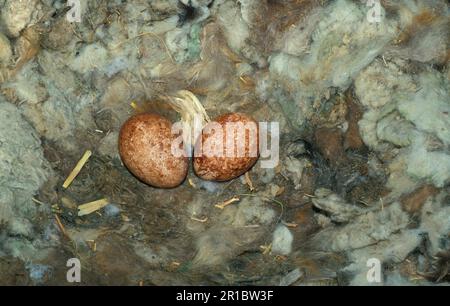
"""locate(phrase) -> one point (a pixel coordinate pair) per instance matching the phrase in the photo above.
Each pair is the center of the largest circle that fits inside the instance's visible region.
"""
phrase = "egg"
(145, 147)
(227, 147)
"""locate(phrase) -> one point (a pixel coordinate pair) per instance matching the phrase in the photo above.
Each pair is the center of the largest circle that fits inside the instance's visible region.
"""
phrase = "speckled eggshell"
(145, 142)
(223, 168)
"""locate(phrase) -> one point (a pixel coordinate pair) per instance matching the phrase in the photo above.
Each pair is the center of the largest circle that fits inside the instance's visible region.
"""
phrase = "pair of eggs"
(146, 149)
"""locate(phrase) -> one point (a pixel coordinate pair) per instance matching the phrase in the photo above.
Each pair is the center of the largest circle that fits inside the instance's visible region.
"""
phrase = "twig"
(384, 61)
(61, 227)
(77, 169)
(226, 203)
(249, 182)
(266, 249)
(364, 203)
(204, 220)
(289, 224)
(37, 201)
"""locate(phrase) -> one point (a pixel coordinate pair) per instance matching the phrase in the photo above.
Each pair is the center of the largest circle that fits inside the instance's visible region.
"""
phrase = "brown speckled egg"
(145, 142)
(214, 160)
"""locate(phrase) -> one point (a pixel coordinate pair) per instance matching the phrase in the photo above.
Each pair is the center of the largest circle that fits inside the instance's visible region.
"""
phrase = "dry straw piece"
(77, 169)
(91, 207)
(226, 203)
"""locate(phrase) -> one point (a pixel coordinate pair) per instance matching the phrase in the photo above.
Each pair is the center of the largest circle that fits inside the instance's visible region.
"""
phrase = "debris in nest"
(204, 220)
(266, 249)
(290, 224)
(56, 209)
(134, 105)
(37, 201)
(191, 182)
(228, 202)
(61, 226)
(92, 244)
(77, 169)
(89, 208)
(174, 265)
(281, 258)
(249, 182)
